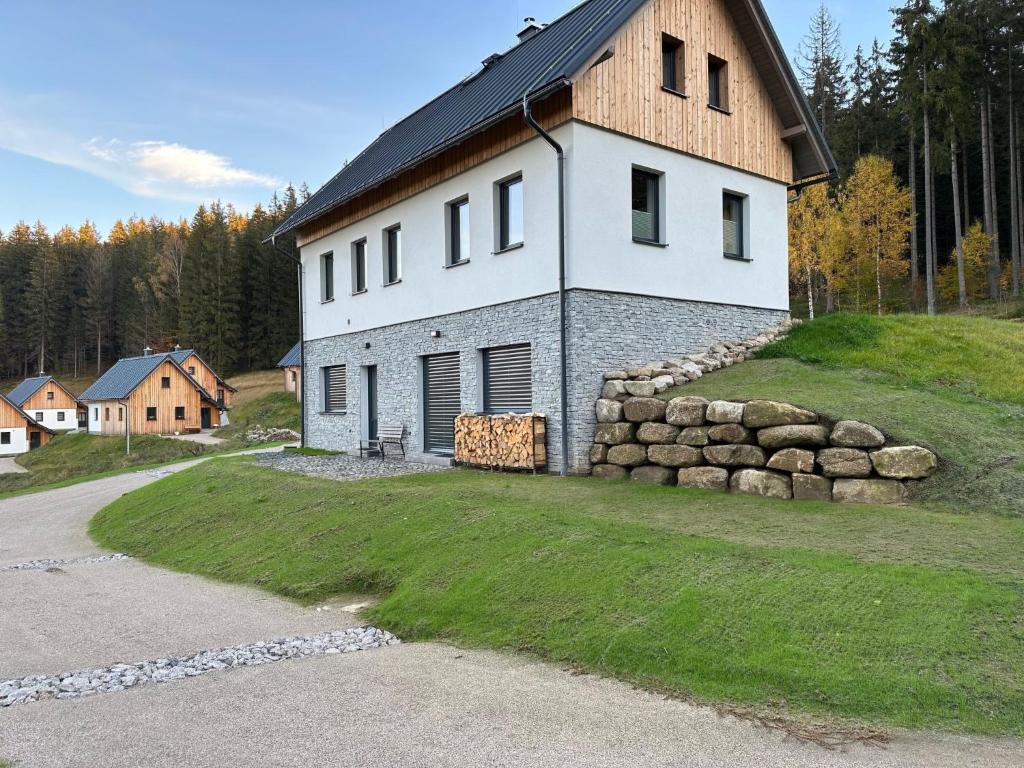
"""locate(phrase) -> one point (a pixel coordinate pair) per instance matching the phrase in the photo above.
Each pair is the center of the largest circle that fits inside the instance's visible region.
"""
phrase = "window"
(508, 379)
(458, 231)
(106, 414)
(220, 396)
(294, 377)
(151, 413)
(510, 213)
(96, 414)
(49, 395)
(327, 277)
(39, 415)
(335, 394)
(179, 413)
(732, 226)
(165, 382)
(120, 414)
(191, 370)
(672, 64)
(60, 415)
(718, 83)
(359, 266)
(5, 438)
(392, 255)
(646, 202)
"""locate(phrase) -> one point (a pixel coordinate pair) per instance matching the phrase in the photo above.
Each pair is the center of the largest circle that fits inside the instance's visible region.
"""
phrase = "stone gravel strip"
(344, 466)
(43, 565)
(87, 682)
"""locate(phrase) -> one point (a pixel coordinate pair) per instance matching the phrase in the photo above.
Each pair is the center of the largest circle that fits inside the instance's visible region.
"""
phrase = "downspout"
(563, 361)
(302, 338)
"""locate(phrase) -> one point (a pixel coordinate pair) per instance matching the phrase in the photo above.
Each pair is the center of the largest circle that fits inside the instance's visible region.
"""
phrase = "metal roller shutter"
(508, 379)
(442, 400)
(335, 393)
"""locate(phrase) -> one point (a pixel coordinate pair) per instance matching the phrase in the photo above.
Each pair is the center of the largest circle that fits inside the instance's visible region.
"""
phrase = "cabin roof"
(32, 422)
(128, 373)
(26, 389)
(291, 357)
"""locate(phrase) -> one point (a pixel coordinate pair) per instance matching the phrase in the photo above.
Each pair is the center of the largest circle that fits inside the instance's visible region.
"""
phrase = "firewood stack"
(506, 441)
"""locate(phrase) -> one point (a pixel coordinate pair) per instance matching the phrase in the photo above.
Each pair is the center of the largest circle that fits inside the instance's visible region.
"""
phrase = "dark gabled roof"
(129, 372)
(291, 357)
(542, 61)
(26, 389)
(538, 66)
(32, 422)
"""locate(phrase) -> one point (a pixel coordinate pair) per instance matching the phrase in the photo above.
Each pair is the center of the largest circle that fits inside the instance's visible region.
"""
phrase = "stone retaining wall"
(759, 447)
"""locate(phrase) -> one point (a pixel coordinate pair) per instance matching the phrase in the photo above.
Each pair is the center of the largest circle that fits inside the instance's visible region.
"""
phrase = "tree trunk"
(929, 242)
(967, 194)
(990, 167)
(912, 177)
(960, 279)
(810, 293)
(986, 184)
(1015, 244)
(99, 353)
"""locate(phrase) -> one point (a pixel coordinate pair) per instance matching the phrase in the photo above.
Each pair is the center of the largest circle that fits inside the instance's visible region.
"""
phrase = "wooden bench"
(387, 434)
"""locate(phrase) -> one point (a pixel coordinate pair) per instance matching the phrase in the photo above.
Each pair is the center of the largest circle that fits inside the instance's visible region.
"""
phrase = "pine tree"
(821, 64)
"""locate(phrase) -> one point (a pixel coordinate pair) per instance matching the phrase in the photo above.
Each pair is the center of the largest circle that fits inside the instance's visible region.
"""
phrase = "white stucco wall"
(50, 421)
(603, 255)
(95, 417)
(19, 441)
(427, 287)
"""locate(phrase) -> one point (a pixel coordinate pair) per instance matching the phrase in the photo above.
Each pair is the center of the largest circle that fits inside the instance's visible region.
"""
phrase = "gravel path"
(344, 466)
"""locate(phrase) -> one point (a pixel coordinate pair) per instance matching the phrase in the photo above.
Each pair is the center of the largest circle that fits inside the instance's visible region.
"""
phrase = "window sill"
(327, 301)
(358, 293)
(393, 282)
(334, 413)
(507, 248)
(652, 243)
(733, 257)
(454, 264)
(719, 109)
(674, 92)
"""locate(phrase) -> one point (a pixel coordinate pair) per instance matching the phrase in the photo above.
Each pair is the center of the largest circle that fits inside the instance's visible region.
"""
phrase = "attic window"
(49, 395)
(672, 71)
(718, 83)
(165, 382)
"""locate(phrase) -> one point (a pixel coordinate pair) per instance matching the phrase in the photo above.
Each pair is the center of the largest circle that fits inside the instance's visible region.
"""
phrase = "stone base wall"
(604, 330)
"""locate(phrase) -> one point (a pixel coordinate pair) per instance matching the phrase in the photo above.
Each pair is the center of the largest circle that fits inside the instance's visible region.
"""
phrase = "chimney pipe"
(177, 347)
(531, 28)
(147, 351)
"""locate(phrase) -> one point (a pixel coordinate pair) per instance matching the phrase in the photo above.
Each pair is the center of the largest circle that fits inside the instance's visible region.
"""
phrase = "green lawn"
(894, 616)
(276, 409)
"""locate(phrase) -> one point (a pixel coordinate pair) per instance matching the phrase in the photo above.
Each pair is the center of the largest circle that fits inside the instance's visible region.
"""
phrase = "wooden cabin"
(19, 432)
(149, 395)
(291, 364)
(47, 402)
(208, 378)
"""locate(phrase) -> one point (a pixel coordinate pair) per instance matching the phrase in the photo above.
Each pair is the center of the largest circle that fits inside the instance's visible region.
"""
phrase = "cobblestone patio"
(344, 466)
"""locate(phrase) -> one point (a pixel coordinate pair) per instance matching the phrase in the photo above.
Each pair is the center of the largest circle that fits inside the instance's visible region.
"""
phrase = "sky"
(110, 109)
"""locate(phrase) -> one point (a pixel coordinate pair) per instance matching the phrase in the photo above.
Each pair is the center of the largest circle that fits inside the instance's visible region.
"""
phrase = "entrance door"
(442, 402)
(204, 418)
(33, 440)
(371, 402)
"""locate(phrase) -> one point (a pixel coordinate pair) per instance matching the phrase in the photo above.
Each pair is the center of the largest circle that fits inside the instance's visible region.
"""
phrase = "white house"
(48, 402)
(612, 189)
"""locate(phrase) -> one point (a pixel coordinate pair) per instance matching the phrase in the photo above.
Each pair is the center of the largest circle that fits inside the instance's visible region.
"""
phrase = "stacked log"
(505, 441)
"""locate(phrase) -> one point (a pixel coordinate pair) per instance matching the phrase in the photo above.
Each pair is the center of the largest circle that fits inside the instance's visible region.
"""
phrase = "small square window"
(191, 370)
(359, 266)
(5, 438)
(165, 382)
(510, 213)
(718, 83)
(39, 415)
(392, 255)
(645, 206)
(732, 226)
(60, 415)
(151, 413)
(179, 413)
(327, 277)
(458, 231)
(49, 395)
(672, 64)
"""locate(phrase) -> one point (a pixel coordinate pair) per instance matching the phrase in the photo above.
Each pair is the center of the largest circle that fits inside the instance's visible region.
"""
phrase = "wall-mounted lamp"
(366, 345)
(435, 334)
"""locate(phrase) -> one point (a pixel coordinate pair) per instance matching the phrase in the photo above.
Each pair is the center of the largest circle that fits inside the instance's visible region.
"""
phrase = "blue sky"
(109, 109)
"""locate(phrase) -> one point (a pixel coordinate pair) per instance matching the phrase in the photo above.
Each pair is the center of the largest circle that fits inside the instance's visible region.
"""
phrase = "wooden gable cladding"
(10, 417)
(489, 143)
(624, 93)
(206, 377)
(151, 394)
(62, 399)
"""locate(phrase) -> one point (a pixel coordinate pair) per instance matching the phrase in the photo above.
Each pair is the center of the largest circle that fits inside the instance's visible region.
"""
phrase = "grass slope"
(895, 616)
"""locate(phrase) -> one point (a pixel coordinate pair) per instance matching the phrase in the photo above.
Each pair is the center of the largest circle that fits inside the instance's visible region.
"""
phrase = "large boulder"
(613, 389)
(768, 413)
(856, 434)
(793, 436)
(628, 455)
(730, 433)
(905, 462)
(675, 455)
(609, 472)
(694, 436)
(758, 482)
(686, 411)
(654, 475)
(725, 412)
(711, 478)
(812, 487)
(871, 491)
(844, 462)
(657, 432)
(608, 411)
(641, 409)
(663, 382)
(735, 455)
(615, 375)
(640, 388)
(615, 434)
(598, 453)
(792, 460)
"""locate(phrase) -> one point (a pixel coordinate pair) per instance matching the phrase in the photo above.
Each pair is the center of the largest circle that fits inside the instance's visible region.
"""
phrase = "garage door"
(442, 402)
